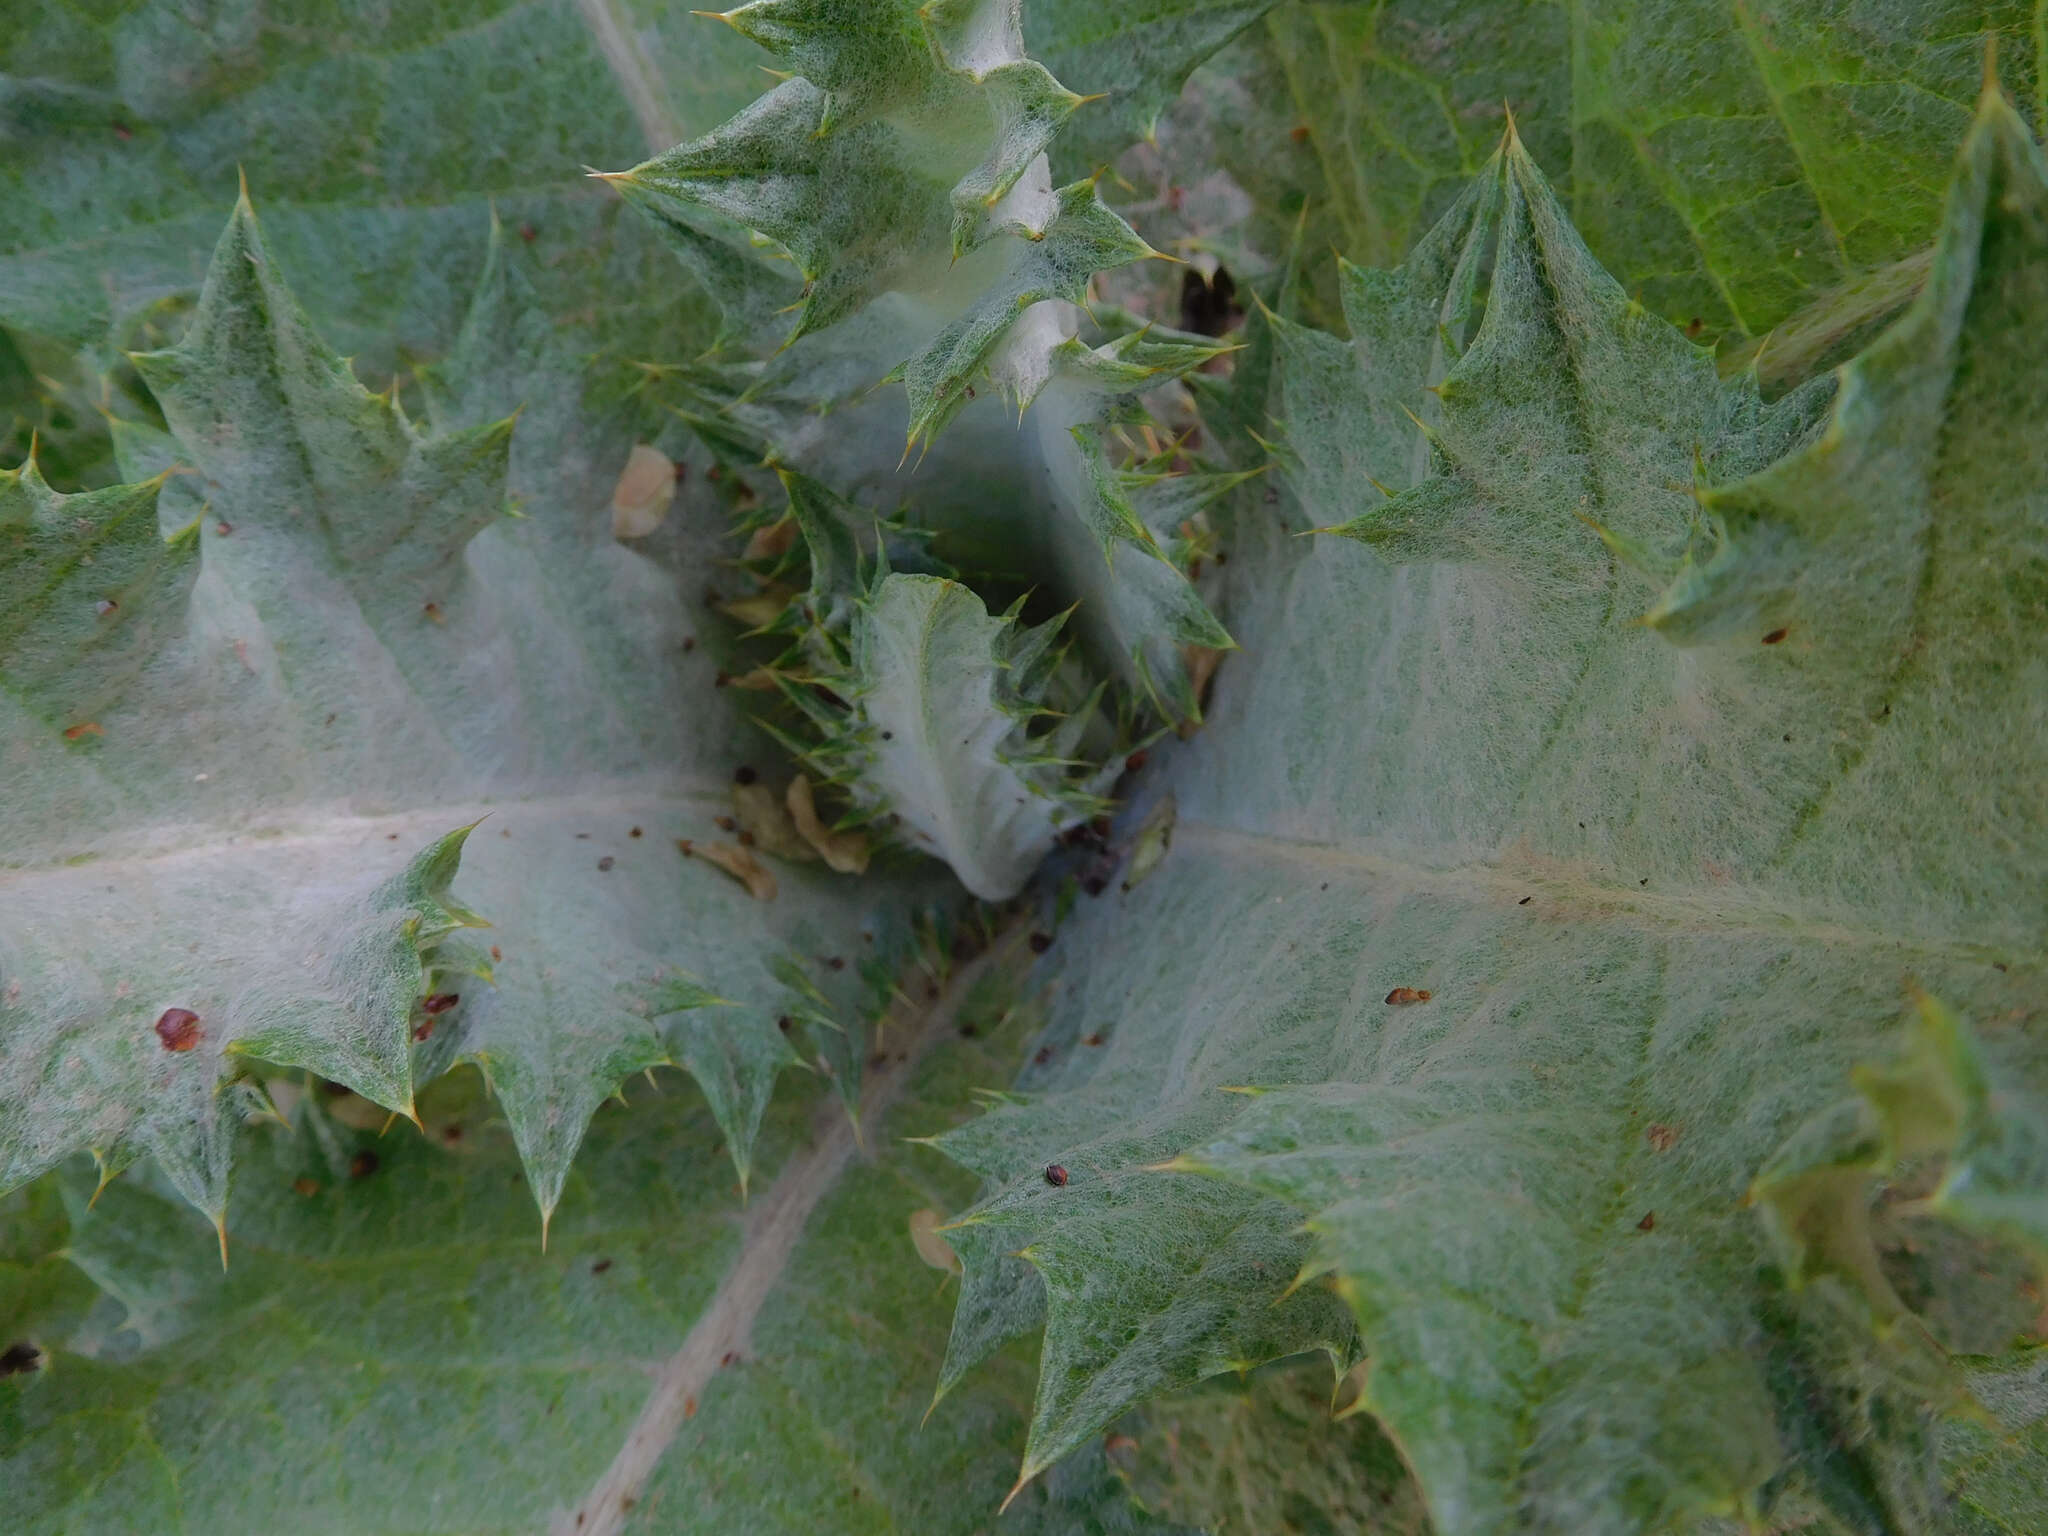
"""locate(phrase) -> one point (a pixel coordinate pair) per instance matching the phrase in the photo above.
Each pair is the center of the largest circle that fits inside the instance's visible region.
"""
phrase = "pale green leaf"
(1507, 942)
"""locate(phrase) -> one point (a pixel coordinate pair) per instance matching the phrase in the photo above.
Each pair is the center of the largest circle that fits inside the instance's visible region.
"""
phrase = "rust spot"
(728, 1359)
(1040, 943)
(83, 729)
(178, 1028)
(19, 1358)
(600, 1266)
(528, 233)
(689, 1407)
(1113, 1444)
(423, 1030)
(1298, 133)
(441, 1002)
(725, 823)
(1055, 1175)
(497, 953)
(1694, 326)
(451, 1134)
(1648, 1223)
(306, 1187)
(433, 611)
(836, 962)
(1661, 1136)
(1095, 1039)
(223, 527)
(1136, 760)
(1775, 636)
(363, 1164)
(1402, 995)
(634, 833)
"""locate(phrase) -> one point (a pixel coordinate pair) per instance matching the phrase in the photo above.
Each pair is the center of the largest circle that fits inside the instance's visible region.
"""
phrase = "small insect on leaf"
(1055, 1175)
(19, 1358)
(363, 1164)
(1775, 636)
(178, 1029)
(1402, 995)
(440, 1002)
(1648, 1223)
(82, 730)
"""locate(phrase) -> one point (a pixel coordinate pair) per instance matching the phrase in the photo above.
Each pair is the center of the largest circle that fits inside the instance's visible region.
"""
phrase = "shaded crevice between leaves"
(774, 1228)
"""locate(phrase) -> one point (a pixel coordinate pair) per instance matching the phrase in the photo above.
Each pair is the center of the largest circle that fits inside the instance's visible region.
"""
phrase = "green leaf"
(904, 174)
(1729, 167)
(1507, 942)
(371, 651)
(944, 695)
(390, 1315)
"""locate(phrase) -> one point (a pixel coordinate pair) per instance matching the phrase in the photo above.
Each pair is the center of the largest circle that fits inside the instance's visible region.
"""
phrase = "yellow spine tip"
(1024, 1476)
(220, 1227)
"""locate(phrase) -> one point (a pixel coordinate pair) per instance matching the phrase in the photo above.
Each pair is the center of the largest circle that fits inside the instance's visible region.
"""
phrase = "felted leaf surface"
(1509, 940)
(393, 1352)
(355, 649)
(1727, 165)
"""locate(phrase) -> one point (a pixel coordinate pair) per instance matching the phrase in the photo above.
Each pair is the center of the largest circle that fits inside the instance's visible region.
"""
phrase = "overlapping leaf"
(903, 172)
(353, 649)
(1511, 942)
(393, 1352)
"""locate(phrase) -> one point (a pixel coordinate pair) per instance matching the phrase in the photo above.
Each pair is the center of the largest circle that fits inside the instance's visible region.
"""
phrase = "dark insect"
(1409, 995)
(604, 864)
(363, 1164)
(744, 775)
(1648, 1223)
(1775, 636)
(1136, 760)
(17, 1358)
(178, 1028)
(1040, 943)
(1055, 1175)
(1208, 306)
(1525, 901)
(440, 1002)
(600, 1266)
(1044, 1055)
(634, 833)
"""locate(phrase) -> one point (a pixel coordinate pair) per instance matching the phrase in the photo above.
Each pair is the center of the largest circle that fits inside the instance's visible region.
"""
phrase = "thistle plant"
(704, 826)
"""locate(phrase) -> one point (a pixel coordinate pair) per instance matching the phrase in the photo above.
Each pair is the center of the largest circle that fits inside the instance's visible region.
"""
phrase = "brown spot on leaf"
(1136, 760)
(224, 528)
(424, 1030)
(1648, 1223)
(1298, 133)
(363, 1164)
(728, 1359)
(19, 1358)
(1401, 995)
(306, 1187)
(1040, 943)
(178, 1029)
(604, 864)
(689, 1407)
(1661, 1136)
(600, 1266)
(1694, 326)
(497, 953)
(433, 611)
(1095, 1039)
(1775, 636)
(1044, 1055)
(634, 833)
(83, 729)
(441, 1002)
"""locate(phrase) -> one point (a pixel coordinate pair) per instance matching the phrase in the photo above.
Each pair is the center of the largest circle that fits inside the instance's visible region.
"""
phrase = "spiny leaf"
(356, 666)
(1535, 936)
